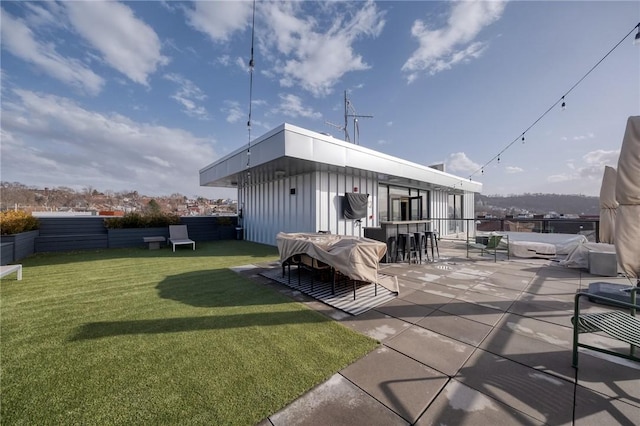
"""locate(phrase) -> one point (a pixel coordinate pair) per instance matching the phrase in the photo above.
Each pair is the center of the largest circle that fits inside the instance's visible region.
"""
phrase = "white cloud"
(459, 162)
(291, 106)
(233, 111)
(188, 95)
(53, 140)
(219, 19)
(513, 169)
(311, 56)
(595, 162)
(126, 43)
(591, 167)
(20, 40)
(442, 48)
(582, 137)
(562, 177)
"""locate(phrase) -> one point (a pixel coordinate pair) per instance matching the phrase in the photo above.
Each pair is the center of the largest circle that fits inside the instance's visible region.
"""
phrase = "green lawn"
(133, 336)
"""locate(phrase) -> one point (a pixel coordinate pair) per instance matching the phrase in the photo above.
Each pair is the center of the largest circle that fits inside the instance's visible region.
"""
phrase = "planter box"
(23, 244)
(133, 237)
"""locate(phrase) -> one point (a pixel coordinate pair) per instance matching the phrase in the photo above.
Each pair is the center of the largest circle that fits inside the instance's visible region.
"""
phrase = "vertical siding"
(269, 208)
(469, 210)
(329, 195)
(439, 210)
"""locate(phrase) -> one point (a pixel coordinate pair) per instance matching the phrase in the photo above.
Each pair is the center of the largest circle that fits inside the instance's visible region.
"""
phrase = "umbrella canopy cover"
(608, 205)
(627, 229)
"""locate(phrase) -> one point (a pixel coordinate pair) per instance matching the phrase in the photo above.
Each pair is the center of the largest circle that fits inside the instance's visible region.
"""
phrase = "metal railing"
(587, 226)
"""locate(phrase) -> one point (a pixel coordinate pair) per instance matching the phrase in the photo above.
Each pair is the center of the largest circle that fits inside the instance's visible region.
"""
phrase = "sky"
(142, 95)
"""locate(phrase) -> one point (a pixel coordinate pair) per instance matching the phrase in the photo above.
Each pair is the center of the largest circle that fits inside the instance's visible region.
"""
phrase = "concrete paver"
(404, 385)
(475, 342)
(456, 327)
(460, 405)
(336, 402)
(430, 348)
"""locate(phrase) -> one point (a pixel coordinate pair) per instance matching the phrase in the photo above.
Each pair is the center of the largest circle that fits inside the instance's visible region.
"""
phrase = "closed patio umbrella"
(627, 229)
(627, 225)
(608, 205)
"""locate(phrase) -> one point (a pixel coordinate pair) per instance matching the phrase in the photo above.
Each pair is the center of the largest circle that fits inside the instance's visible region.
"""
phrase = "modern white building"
(295, 180)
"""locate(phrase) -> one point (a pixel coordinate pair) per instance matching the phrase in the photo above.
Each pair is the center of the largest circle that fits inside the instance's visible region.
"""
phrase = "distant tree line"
(17, 195)
(537, 204)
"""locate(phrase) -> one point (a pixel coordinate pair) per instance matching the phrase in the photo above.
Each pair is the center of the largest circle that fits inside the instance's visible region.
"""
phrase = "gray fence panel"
(71, 242)
(72, 225)
(6, 253)
(120, 238)
(210, 228)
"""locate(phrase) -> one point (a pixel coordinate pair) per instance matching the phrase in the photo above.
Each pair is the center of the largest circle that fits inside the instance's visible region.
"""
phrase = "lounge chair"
(488, 244)
(615, 323)
(178, 235)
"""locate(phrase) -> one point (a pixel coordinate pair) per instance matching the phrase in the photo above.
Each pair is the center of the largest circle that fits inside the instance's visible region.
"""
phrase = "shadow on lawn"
(215, 288)
(97, 330)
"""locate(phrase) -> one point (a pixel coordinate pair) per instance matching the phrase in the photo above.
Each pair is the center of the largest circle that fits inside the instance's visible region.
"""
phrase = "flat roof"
(289, 150)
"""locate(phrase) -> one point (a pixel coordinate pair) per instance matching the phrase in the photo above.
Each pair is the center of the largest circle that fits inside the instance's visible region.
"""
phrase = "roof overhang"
(289, 151)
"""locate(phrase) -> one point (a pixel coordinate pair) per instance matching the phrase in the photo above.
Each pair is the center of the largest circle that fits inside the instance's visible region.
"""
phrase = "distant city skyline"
(142, 95)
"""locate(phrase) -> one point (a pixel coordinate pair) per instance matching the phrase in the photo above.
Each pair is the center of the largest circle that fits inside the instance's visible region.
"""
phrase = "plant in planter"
(137, 220)
(18, 231)
(15, 222)
(129, 230)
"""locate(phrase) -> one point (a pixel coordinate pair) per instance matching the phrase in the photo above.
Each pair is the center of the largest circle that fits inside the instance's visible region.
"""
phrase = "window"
(398, 203)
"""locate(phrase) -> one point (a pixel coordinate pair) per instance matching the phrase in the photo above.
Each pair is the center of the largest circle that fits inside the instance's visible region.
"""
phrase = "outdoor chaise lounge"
(178, 235)
(8, 269)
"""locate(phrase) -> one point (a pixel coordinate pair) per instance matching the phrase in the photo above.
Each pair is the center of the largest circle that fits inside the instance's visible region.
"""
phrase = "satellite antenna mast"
(339, 127)
(348, 107)
(349, 112)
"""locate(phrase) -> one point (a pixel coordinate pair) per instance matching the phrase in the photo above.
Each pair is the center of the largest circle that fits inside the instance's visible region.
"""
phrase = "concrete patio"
(470, 341)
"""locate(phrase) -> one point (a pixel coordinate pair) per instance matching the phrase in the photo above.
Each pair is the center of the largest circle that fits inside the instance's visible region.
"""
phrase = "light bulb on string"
(523, 138)
(498, 159)
(564, 104)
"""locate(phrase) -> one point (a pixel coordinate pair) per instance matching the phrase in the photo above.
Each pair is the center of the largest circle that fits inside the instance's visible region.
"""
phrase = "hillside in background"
(537, 204)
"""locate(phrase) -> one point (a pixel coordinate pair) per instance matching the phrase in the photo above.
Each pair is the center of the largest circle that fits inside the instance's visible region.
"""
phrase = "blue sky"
(141, 95)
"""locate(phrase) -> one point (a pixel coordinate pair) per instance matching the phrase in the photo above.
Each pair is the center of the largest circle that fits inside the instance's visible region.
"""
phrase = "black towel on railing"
(355, 205)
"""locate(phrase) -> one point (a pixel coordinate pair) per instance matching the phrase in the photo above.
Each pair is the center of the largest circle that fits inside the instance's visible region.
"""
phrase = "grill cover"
(355, 205)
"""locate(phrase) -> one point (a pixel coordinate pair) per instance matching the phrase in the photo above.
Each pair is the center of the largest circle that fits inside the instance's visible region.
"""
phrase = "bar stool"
(432, 236)
(391, 250)
(420, 245)
(407, 245)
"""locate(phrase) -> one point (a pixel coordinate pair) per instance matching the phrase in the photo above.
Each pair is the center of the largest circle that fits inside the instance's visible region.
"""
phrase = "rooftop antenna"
(348, 108)
(349, 112)
(341, 128)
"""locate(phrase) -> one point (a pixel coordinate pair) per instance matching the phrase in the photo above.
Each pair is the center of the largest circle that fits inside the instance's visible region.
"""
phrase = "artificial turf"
(133, 336)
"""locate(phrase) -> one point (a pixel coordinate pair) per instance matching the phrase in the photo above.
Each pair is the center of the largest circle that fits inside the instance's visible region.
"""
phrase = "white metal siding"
(269, 208)
(331, 187)
(440, 210)
(439, 203)
(469, 210)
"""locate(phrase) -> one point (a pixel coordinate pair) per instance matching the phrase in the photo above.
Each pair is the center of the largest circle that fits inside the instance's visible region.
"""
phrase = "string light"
(251, 67)
(560, 101)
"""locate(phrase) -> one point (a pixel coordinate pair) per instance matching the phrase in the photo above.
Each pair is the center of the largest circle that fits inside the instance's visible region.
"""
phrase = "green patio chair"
(488, 244)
